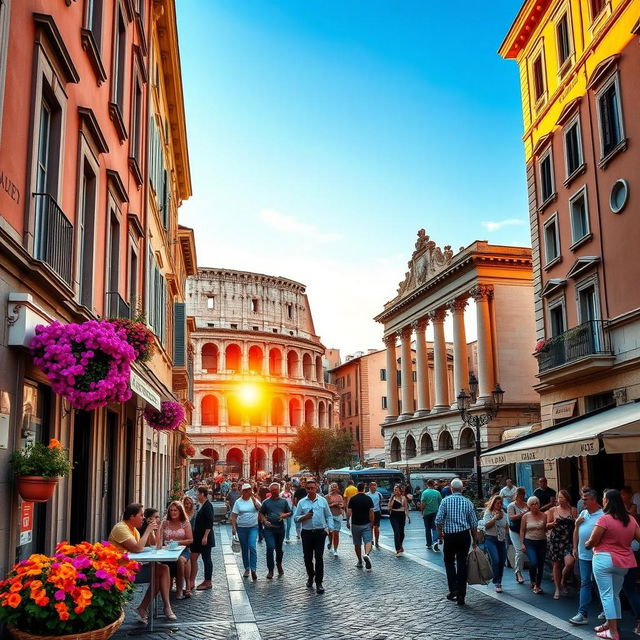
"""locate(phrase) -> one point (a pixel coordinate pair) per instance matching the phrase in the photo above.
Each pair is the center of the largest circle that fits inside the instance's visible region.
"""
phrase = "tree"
(320, 449)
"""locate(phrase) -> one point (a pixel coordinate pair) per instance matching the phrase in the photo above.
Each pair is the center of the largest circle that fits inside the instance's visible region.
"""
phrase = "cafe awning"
(443, 456)
(617, 429)
(433, 456)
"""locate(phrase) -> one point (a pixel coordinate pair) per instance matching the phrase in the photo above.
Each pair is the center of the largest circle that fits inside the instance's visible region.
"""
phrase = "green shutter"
(179, 334)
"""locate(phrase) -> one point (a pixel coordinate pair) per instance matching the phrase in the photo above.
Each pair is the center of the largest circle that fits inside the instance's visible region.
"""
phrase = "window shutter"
(179, 334)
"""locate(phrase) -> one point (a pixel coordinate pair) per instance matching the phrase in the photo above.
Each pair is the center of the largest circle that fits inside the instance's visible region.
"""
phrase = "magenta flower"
(169, 417)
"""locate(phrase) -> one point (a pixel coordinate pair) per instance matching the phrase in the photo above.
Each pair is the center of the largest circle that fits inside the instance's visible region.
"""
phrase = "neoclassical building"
(423, 425)
(258, 371)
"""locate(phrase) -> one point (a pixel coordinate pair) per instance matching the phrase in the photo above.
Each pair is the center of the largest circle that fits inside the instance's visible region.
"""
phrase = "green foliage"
(40, 460)
(320, 449)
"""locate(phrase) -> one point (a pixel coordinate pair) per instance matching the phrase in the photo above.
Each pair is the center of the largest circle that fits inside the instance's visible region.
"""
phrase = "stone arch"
(233, 358)
(257, 461)
(319, 369)
(445, 441)
(307, 367)
(234, 410)
(309, 412)
(210, 357)
(277, 412)
(426, 444)
(210, 452)
(467, 438)
(278, 461)
(275, 362)
(330, 413)
(322, 414)
(396, 450)
(210, 411)
(293, 364)
(235, 460)
(295, 412)
(255, 359)
(410, 447)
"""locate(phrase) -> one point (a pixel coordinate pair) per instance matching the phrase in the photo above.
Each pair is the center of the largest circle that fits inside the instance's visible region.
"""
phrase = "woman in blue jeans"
(533, 533)
(496, 530)
(244, 524)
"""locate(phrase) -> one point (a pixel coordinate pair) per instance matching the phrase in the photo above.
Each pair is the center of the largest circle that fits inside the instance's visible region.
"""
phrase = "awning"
(434, 456)
(619, 429)
(443, 456)
(518, 432)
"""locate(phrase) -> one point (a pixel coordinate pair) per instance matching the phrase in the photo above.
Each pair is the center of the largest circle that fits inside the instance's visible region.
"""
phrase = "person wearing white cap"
(244, 524)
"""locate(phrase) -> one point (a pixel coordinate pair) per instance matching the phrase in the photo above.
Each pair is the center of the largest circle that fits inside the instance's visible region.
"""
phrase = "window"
(210, 302)
(546, 177)
(119, 60)
(348, 379)
(573, 147)
(551, 240)
(556, 317)
(588, 307)
(290, 311)
(136, 121)
(610, 117)
(94, 20)
(113, 255)
(599, 401)
(579, 212)
(563, 39)
(156, 299)
(5, 10)
(383, 374)
(384, 402)
(254, 305)
(399, 377)
(414, 376)
(538, 78)
(234, 326)
(596, 7)
(86, 233)
(133, 278)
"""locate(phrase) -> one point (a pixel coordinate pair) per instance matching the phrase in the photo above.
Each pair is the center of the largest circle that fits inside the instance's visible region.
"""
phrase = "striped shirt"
(456, 513)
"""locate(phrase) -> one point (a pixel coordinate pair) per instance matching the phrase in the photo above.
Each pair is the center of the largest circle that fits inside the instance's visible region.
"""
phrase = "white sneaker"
(367, 562)
(335, 553)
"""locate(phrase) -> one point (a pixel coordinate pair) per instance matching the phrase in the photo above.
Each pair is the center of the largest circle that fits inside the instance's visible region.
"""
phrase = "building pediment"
(427, 260)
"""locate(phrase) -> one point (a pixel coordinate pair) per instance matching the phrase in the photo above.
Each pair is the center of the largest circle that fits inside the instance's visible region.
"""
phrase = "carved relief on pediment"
(427, 260)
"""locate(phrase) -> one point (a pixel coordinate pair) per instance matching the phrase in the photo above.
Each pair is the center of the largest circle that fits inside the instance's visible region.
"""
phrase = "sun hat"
(246, 485)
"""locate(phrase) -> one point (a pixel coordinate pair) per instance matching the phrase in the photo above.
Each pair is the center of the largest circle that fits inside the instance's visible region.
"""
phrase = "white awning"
(451, 453)
(518, 432)
(433, 456)
(619, 429)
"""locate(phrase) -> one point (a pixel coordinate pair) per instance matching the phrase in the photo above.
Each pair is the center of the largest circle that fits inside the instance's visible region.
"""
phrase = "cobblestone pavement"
(401, 598)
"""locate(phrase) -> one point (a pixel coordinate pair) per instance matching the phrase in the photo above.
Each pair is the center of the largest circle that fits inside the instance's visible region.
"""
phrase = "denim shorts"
(361, 534)
(336, 523)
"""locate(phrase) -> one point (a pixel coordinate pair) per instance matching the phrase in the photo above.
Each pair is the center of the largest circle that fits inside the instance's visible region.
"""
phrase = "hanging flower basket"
(187, 450)
(36, 488)
(169, 417)
(139, 336)
(78, 593)
(88, 363)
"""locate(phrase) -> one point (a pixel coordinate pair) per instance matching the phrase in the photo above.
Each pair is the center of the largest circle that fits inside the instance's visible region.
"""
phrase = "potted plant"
(169, 417)
(186, 450)
(38, 467)
(138, 335)
(88, 363)
(76, 594)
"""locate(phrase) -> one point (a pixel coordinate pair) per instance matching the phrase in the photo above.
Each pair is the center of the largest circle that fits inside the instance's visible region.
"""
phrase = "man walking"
(545, 494)
(349, 492)
(376, 498)
(298, 494)
(429, 503)
(274, 511)
(508, 493)
(314, 515)
(581, 533)
(457, 520)
(360, 520)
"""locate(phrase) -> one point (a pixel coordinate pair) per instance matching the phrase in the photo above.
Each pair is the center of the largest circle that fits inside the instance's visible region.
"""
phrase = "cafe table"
(153, 555)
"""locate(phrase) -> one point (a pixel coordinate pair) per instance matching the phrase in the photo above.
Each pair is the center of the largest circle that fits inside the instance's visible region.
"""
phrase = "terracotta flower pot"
(36, 488)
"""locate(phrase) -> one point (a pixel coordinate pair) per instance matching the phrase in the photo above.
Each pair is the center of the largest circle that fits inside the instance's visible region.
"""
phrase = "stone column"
(460, 363)
(286, 417)
(244, 366)
(440, 362)
(482, 293)
(392, 378)
(265, 360)
(223, 417)
(422, 366)
(407, 373)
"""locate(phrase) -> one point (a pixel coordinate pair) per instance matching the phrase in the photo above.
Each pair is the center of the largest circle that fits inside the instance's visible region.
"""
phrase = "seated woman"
(177, 528)
(126, 537)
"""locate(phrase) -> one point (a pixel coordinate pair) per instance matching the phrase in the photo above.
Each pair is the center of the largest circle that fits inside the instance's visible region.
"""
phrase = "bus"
(385, 478)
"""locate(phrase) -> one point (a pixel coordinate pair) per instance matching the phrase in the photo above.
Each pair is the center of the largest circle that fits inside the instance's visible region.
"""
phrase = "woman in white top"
(515, 511)
(244, 524)
(495, 535)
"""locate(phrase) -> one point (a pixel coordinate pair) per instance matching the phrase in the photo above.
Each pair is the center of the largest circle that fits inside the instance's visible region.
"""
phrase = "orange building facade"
(88, 230)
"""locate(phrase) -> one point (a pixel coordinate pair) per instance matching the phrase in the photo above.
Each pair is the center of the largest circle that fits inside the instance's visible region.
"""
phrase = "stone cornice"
(233, 275)
(274, 339)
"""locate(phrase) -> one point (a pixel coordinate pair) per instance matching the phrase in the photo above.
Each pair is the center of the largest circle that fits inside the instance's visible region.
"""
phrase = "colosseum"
(259, 371)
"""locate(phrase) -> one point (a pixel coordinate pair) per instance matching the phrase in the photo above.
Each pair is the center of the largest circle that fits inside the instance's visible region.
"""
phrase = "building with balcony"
(579, 84)
(88, 230)
(489, 286)
(258, 371)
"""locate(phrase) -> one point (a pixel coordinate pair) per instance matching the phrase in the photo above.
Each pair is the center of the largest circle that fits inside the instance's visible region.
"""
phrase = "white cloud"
(290, 224)
(496, 226)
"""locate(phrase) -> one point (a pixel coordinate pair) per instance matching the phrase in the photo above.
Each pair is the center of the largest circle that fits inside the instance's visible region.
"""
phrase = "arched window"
(233, 358)
(235, 459)
(319, 369)
(426, 444)
(410, 447)
(395, 450)
(293, 364)
(309, 413)
(210, 358)
(209, 410)
(295, 412)
(322, 414)
(445, 442)
(277, 412)
(307, 367)
(234, 412)
(255, 359)
(467, 439)
(275, 362)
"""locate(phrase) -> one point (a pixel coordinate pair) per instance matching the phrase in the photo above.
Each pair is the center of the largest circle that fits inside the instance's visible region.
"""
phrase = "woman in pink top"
(176, 528)
(612, 558)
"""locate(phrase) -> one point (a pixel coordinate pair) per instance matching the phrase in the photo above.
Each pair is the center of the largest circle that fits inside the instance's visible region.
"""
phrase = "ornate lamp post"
(477, 420)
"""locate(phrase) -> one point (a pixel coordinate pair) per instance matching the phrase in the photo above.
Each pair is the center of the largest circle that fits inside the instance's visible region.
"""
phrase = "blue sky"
(324, 133)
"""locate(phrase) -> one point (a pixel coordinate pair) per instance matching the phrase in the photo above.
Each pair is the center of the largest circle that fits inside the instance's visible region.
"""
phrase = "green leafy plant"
(320, 449)
(38, 459)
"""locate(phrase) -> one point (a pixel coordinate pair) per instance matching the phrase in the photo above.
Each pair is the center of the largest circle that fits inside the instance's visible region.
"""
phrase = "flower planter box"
(97, 634)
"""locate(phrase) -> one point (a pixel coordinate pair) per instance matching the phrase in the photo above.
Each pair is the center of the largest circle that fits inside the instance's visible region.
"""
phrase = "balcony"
(116, 306)
(53, 236)
(581, 350)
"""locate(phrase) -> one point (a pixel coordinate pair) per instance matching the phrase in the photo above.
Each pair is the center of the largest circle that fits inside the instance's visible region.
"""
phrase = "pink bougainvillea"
(169, 417)
(139, 336)
(88, 363)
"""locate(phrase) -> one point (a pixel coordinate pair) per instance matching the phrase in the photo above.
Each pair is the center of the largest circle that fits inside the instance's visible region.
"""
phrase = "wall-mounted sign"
(563, 410)
(141, 388)
(26, 523)
(12, 191)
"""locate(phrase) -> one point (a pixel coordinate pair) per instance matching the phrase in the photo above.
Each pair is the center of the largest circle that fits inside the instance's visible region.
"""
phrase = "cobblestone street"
(401, 598)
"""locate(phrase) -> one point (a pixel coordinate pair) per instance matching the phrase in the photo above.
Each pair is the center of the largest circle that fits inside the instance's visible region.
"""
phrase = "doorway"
(80, 478)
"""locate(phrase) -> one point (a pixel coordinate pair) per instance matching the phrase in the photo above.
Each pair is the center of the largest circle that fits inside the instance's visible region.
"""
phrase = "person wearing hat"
(244, 524)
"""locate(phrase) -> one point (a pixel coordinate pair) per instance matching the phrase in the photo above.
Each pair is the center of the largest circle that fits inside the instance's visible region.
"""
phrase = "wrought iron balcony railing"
(584, 340)
(116, 306)
(53, 236)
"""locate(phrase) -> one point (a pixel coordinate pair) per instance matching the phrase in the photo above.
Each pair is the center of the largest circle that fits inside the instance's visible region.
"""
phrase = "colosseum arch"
(234, 410)
(255, 359)
(275, 362)
(210, 358)
(410, 447)
(322, 414)
(467, 438)
(295, 412)
(396, 451)
(330, 412)
(233, 358)
(445, 441)
(210, 452)
(319, 369)
(309, 413)
(277, 412)
(235, 460)
(257, 461)
(307, 367)
(293, 364)
(426, 444)
(209, 411)
(278, 461)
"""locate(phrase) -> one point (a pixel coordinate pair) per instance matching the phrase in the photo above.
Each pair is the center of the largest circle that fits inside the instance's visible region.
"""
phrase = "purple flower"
(59, 595)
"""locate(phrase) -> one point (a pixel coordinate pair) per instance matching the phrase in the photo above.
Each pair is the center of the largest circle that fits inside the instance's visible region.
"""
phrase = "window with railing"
(53, 236)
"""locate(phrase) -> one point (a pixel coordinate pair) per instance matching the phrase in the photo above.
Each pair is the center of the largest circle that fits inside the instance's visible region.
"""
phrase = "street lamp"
(478, 420)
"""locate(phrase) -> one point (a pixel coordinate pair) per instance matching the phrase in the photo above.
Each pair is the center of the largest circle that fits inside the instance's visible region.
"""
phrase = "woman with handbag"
(244, 525)
(495, 535)
(515, 511)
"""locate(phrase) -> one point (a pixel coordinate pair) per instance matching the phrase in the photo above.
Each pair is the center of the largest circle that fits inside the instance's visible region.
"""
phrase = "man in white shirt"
(376, 498)
(508, 493)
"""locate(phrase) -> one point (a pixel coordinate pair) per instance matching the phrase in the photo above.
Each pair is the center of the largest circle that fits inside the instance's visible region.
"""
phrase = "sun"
(249, 394)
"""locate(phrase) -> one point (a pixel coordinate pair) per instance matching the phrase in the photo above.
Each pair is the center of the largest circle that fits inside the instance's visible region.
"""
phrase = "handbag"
(235, 544)
(479, 567)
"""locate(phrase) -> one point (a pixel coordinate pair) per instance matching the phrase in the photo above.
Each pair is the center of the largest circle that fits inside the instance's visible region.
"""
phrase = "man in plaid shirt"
(457, 520)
